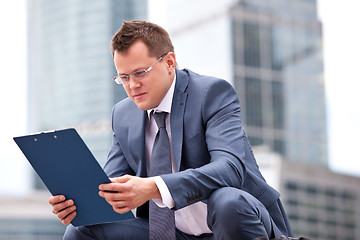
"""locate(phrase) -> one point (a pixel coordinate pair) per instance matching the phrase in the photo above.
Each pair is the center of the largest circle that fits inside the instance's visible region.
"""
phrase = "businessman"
(180, 155)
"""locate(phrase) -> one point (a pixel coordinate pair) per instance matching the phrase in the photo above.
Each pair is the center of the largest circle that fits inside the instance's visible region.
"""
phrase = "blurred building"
(71, 68)
(69, 85)
(28, 218)
(320, 204)
(271, 51)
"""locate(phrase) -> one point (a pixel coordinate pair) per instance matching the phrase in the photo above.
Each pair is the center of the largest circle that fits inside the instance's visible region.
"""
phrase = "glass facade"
(322, 212)
(278, 75)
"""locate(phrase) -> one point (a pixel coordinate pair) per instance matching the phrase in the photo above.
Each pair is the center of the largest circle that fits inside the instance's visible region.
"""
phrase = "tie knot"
(160, 119)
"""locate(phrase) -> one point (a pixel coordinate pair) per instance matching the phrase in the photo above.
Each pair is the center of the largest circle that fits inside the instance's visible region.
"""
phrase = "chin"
(143, 107)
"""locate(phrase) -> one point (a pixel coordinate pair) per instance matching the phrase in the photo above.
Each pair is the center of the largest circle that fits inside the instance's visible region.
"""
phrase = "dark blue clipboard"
(67, 167)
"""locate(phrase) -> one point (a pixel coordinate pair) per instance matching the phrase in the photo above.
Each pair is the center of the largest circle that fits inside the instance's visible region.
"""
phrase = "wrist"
(153, 189)
(165, 199)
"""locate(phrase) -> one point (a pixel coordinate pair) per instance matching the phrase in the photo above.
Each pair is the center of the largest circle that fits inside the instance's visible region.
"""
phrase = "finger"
(122, 179)
(110, 196)
(69, 218)
(56, 199)
(118, 204)
(61, 206)
(112, 187)
(121, 210)
(61, 215)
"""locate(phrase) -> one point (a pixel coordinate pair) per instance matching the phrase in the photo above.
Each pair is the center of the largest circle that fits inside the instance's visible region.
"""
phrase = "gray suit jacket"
(210, 146)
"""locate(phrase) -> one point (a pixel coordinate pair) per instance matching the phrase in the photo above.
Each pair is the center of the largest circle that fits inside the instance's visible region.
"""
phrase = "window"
(253, 102)
(278, 104)
(252, 44)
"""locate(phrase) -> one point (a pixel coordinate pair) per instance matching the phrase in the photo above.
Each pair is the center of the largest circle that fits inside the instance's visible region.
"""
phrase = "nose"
(133, 83)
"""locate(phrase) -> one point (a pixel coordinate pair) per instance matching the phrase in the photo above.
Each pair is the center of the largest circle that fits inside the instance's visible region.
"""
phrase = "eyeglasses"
(138, 75)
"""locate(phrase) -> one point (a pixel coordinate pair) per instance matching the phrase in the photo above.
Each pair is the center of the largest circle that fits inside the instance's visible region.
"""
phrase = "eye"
(140, 74)
(124, 78)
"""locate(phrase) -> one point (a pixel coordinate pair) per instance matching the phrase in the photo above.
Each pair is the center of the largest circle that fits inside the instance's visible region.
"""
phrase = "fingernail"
(62, 198)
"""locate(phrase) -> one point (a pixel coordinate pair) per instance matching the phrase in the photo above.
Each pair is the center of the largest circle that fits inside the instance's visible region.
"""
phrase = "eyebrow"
(136, 69)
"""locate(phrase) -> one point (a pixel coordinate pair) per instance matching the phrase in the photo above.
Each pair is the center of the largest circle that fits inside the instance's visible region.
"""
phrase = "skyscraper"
(271, 51)
(279, 75)
(70, 66)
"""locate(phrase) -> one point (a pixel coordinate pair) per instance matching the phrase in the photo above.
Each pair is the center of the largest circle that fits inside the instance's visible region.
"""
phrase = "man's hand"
(128, 192)
(64, 209)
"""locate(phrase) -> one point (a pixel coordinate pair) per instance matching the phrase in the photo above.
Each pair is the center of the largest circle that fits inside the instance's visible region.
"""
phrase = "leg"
(183, 236)
(132, 229)
(235, 214)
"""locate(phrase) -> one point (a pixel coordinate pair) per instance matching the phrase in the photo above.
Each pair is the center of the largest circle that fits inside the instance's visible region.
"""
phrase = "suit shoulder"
(205, 81)
(126, 102)
(124, 106)
(210, 85)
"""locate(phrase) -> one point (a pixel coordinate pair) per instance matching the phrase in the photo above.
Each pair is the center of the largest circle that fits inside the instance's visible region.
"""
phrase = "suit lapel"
(177, 115)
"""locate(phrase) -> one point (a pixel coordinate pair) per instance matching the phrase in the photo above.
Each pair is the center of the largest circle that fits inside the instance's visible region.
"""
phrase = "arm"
(116, 164)
(127, 192)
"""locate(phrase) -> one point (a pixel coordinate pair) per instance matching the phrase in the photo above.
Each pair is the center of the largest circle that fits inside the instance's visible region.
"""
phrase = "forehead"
(135, 58)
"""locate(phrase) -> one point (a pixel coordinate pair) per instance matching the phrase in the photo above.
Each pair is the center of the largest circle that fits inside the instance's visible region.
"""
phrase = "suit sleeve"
(116, 164)
(225, 140)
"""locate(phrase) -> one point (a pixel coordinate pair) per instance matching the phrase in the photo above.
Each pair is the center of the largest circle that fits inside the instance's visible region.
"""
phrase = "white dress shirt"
(191, 219)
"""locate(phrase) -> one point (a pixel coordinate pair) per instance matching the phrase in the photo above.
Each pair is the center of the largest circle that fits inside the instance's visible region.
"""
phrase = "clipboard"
(67, 167)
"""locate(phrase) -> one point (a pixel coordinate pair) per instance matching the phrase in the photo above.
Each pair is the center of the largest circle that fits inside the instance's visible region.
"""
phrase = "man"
(213, 185)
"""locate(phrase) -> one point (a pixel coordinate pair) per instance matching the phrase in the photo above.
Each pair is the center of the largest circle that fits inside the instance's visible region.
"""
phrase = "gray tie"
(161, 220)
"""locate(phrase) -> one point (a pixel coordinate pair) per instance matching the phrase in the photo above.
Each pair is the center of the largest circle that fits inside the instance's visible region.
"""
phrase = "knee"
(75, 233)
(220, 203)
(71, 232)
(227, 202)
(231, 207)
(234, 212)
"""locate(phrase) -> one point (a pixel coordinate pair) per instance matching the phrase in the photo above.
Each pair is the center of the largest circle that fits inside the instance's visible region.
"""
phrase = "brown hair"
(155, 38)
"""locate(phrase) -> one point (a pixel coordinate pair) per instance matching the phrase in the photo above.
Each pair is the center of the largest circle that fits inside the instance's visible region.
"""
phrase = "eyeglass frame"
(118, 79)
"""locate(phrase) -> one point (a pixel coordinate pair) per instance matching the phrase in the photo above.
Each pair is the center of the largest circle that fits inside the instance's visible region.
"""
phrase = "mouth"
(138, 95)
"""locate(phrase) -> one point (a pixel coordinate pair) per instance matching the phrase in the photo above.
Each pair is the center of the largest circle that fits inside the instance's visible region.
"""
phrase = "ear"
(170, 62)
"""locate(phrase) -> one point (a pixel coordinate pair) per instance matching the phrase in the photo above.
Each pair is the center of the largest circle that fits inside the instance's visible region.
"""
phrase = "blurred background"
(293, 63)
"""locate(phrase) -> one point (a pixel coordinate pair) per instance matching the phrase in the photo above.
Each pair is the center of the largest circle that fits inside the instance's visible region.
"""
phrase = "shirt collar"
(165, 104)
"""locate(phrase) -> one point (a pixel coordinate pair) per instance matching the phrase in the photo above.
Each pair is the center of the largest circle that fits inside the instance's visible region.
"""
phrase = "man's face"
(146, 93)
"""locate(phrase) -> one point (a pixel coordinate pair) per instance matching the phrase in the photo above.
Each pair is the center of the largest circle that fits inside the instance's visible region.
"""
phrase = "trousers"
(232, 214)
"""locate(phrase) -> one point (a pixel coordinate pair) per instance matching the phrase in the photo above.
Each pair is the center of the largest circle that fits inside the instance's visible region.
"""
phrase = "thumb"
(122, 179)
